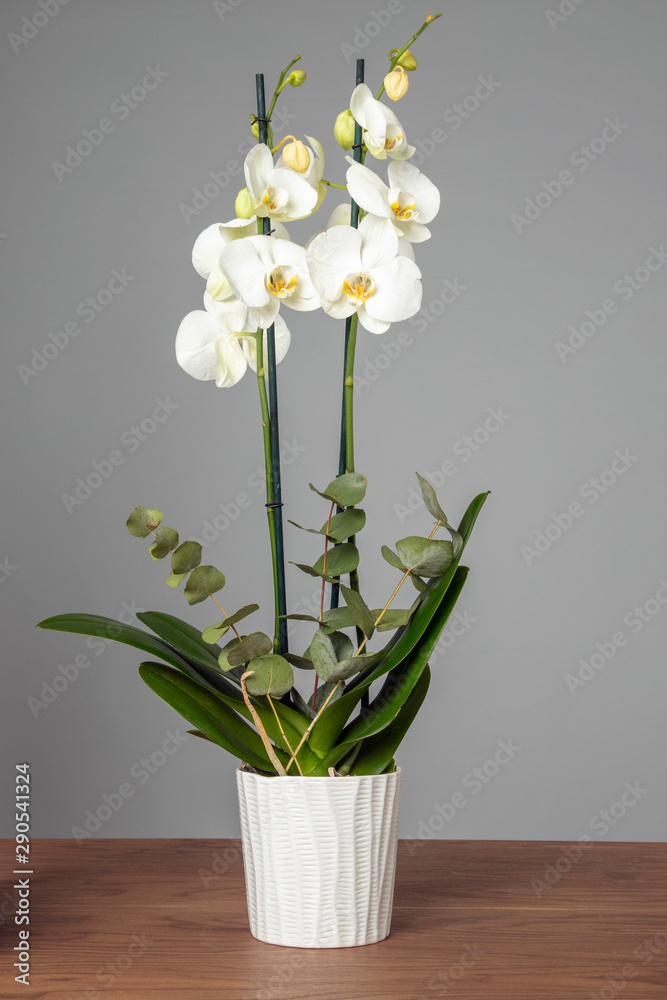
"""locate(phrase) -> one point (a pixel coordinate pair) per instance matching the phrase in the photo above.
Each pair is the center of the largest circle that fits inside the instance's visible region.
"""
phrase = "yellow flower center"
(282, 282)
(358, 287)
(392, 141)
(274, 198)
(404, 212)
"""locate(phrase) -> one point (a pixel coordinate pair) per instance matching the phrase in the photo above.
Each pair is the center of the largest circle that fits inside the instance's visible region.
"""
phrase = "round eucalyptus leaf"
(186, 557)
(214, 632)
(340, 559)
(342, 525)
(255, 644)
(392, 558)
(174, 579)
(166, 540)
(204, 581)
(142, 521)
(347, 490)
(425, 556)
(271, 674)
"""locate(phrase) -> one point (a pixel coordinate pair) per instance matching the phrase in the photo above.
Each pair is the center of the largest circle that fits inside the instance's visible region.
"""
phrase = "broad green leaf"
(336, 618)
(271, 674)
(471, 515)
(204, 581)
(323, 692)
(347, 490)
(215, 632)
(418, 583)
(345, 524)
(305, 569)
(340, 559)
(392, 558)
(360, 611)
(302, 662)
(166, 539)
(433, 507)
(391, 619)
(321, 652)
(209, 714)
(255, 644)
(377, 751)
(302, 618)
(302, 705)
(223, 662)
(186, 557)
(175, 579)
(425, 556)
(142, 521)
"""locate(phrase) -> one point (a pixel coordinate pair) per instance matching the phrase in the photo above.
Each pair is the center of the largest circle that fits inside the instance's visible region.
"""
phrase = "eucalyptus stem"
(270, 418)
(394, 62)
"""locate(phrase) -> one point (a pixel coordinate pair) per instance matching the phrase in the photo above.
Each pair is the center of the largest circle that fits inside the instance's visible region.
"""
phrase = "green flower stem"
(394, 62)
(270, 419)
(280, 86)
(332, 184)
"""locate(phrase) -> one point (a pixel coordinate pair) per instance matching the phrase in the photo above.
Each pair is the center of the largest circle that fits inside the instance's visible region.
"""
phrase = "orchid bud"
(407, 60)
(242, 205)
(396, 83)
(296, 156)
(344, 129)
(297, 77)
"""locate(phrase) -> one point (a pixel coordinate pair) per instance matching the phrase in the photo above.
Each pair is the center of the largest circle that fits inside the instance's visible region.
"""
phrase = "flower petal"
(282, 342)
(231, 315)
(195, 345)
(302, 198)
(427, 197)
(257, 167)
(360, 95)
(245, 264)
(398, 293)
(331, 257)
(368, 190)
(379, 242)
(207, 249)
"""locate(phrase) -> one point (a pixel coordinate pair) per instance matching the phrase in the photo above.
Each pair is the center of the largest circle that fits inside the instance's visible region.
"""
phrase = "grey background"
(493, 346)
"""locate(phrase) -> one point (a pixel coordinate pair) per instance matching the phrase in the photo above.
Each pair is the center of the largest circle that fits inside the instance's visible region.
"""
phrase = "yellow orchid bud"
(296, 156)
(297, 77)
(242, 205)
(396, 83)
(344, 129)
(407, 60)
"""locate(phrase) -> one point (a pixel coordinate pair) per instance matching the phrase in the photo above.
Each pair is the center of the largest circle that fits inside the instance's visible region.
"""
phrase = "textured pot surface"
(320, 857)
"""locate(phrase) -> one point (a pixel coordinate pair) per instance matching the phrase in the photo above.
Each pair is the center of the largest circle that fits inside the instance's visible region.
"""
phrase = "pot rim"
(316, 778)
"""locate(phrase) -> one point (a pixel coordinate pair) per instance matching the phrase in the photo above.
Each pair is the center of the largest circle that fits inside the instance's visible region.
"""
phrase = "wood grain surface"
(473, 920)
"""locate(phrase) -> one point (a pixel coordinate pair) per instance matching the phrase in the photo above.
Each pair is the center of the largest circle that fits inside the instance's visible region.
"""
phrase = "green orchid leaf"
(166, 539)
(186, 557)
(204, 581)
(392, 558)
(143, 521)
(341, 559)
(377, 752)
(359, 610)
(425, 556)
(255, 644)
(347, 490)
(271, 674)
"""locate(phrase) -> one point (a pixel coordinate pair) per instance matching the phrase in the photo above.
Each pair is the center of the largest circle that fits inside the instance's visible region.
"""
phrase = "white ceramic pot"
(320, 857)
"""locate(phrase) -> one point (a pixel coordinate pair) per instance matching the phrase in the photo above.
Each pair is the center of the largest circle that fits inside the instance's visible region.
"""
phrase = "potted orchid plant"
(319, 788)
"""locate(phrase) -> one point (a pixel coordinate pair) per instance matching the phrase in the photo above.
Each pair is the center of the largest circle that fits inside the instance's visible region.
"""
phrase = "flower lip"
(358, 287)
(402, 204)
(275, 198)
(281, 281)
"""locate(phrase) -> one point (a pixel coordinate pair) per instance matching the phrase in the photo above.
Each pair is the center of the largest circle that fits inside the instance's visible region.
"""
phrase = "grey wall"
(529, 619)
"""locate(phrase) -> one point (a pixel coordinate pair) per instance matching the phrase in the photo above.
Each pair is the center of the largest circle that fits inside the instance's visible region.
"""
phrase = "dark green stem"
(394, 61)
(273, 495)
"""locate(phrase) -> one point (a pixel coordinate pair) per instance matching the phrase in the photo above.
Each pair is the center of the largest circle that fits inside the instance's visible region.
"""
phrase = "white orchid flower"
(360, 270)
(383, 133)
(263, 272)
(278, 192)
(410, 199)
(209, 244)
(212, 344)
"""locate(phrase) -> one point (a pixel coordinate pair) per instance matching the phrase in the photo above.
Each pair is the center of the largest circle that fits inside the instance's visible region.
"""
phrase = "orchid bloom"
(209, 244)
(383, 133)
(360, 270)
(218, 344)
(263, 272)
(277, 192)
(410, 200)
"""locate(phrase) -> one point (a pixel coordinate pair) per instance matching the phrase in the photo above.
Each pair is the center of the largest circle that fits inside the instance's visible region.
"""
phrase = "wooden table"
(166, 920)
